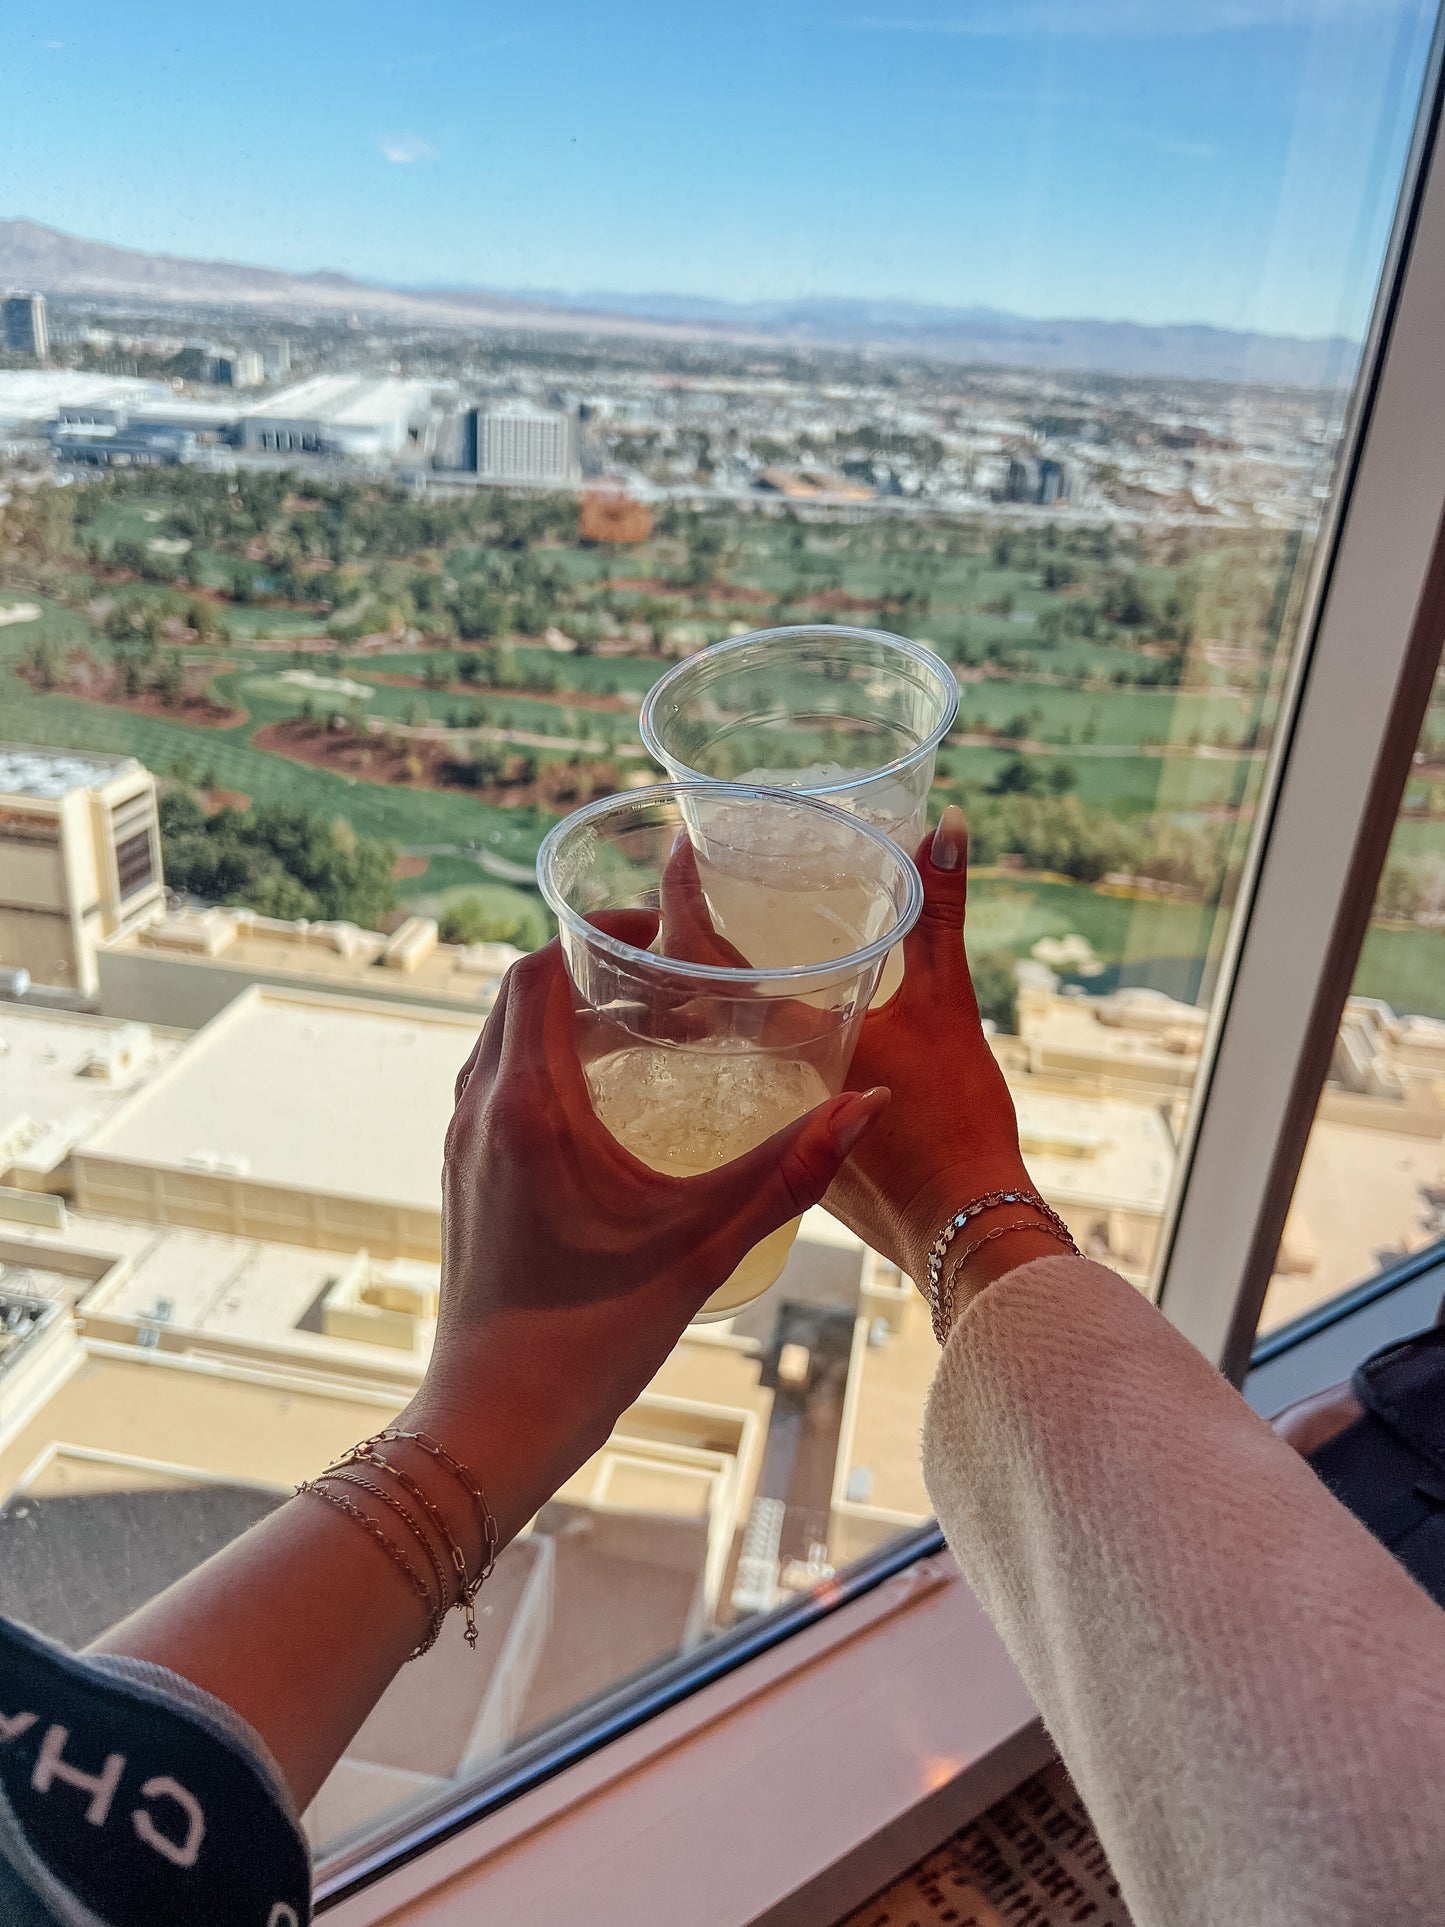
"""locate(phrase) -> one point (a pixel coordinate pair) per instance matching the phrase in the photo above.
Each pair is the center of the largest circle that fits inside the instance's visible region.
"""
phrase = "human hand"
(570, 1269)
(950, 1133)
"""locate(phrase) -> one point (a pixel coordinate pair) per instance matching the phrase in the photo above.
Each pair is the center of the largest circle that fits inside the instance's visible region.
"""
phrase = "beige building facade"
(80, 860)
(184, 968)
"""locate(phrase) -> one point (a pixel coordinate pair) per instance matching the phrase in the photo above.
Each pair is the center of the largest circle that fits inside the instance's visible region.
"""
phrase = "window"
(134, 863)
(1371, 1189)
(384, 608)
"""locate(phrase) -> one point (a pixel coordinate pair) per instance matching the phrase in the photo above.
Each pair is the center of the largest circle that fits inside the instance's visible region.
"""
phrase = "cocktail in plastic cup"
(853, 716)
(731, 1004)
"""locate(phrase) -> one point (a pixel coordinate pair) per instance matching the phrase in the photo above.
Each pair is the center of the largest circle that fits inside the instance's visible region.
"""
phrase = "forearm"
(1246, 1687)
(301, 1623)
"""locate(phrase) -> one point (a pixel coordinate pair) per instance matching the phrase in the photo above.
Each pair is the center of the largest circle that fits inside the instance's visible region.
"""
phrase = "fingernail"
(950, 840)
(857, 1119)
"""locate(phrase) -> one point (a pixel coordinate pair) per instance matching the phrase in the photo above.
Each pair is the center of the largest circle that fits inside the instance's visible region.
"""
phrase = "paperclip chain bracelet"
(940, 1301)
(485, 1520)
(365, 1454)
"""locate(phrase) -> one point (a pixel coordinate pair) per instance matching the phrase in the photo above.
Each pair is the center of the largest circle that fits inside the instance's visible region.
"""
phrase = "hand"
(569, 1269)
(950, 1133)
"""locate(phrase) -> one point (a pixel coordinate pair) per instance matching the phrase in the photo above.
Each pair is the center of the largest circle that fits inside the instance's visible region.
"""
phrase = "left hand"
(569, 1268)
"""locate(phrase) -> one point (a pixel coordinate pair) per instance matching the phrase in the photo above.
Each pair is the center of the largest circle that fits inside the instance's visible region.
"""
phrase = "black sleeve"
(134, 1802)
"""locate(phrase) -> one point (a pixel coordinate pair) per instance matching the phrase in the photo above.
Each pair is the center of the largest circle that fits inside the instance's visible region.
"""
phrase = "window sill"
(803, 1780)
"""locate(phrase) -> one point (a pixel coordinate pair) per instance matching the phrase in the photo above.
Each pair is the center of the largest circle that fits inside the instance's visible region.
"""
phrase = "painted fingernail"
(858, 1118)
(950, 840)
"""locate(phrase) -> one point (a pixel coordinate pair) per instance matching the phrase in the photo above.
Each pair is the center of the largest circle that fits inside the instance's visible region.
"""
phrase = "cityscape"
(312, 623)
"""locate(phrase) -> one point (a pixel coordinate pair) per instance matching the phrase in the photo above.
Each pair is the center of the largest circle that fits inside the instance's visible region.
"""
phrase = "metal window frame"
(844, 1742)
(1360, 689)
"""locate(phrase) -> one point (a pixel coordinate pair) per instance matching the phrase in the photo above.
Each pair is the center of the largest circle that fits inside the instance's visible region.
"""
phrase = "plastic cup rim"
(902, 644)
(849, 964)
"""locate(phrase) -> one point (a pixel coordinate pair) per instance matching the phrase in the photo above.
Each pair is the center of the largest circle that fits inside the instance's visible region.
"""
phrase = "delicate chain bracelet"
(490, 1536)
(364, 1454)
(418, 1532)
(940, 1299)
(383, 1539)
(343, 1472)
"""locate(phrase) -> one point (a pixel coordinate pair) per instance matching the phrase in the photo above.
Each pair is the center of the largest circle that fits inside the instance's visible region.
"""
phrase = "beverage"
(687, 1111)
(889, 804)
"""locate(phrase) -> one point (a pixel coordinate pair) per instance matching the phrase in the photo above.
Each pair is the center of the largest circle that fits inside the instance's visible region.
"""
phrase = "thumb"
(789, 1172)
(943, 867)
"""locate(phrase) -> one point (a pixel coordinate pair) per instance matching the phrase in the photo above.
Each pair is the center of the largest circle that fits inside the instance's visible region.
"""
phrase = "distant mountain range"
(32, 256)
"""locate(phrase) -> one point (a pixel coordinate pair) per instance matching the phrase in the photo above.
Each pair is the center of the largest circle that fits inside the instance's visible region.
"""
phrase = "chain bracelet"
(383, 1539)
(943, 1324)
(942, 1315)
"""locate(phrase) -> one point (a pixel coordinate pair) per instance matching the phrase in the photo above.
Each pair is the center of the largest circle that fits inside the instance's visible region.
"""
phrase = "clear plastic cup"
(773, 914)
(853, 716)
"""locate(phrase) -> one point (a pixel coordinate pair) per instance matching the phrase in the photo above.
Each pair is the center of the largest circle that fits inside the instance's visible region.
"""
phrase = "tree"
(1016, 777)
(995, 984)
(470, 920)
(279, 861)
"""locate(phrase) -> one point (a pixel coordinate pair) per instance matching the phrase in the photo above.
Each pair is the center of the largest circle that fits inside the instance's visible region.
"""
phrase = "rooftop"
(344, 400)
(409, 964)
(36, 394)
(61, 1075)
(317, 1094)
(53, 773)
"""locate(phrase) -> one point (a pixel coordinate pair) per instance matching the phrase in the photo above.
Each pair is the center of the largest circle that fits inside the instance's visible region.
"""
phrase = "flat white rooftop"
(61, 1075)
(53, 773)
(37, 394)
(353, 401)
(1104, 1152)
(315, 1093)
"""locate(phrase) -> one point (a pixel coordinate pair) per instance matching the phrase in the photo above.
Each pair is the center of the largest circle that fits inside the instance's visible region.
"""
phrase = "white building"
(80, 859)
(356, 415)
(515, 443)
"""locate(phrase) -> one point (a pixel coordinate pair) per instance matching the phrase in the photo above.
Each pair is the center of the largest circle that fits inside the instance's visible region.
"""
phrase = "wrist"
(948, 1192)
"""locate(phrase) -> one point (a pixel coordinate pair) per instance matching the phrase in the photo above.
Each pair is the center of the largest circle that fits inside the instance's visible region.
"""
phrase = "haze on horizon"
(1098, 159)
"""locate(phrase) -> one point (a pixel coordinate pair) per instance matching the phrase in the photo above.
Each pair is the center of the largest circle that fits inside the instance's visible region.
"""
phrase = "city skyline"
(1097, 161)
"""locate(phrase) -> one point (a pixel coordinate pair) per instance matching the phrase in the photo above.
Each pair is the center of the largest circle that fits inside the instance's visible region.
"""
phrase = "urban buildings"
(511, 442)
(352, 415)
(80, 859)
(23, 327)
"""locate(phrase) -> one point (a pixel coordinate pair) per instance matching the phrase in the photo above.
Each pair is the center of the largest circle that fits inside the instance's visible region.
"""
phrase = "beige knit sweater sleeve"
(1248, 1690)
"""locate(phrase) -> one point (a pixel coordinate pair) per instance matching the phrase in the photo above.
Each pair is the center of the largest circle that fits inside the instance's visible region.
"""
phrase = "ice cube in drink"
(684, 1111)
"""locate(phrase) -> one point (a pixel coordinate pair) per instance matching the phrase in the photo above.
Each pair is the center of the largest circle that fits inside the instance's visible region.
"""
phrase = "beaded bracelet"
(940, 1304)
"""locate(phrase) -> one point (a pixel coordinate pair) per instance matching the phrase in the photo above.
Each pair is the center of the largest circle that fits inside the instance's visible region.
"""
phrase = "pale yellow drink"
(687, 1111)
(789, 924)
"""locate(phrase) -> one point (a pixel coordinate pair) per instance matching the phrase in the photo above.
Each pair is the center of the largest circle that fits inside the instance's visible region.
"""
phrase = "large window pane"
(1030, 332)
(1372, 1186)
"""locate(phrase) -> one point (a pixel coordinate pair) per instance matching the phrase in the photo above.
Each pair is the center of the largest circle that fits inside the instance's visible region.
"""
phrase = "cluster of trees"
(470, 919)
(278, 861)
(1059, 833)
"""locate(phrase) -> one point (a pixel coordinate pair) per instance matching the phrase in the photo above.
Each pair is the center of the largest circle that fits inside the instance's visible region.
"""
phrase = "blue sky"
(1230, 161)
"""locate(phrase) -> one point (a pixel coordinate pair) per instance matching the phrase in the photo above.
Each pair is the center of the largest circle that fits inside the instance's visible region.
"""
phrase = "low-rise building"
(80, 859)
(183, 969)
(359, 415)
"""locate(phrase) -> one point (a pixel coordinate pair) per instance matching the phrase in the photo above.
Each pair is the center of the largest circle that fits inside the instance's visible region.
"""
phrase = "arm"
(1246, 1688)
(569, 1271)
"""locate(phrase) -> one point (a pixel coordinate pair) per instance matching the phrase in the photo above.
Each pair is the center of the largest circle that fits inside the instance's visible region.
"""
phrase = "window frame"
(895, 1665)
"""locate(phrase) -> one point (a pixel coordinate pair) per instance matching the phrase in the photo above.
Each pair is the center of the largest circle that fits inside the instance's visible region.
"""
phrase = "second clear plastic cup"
(723, 942)
(852, 716)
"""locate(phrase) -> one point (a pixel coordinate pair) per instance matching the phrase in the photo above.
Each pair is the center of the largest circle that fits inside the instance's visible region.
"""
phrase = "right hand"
(950, 1133)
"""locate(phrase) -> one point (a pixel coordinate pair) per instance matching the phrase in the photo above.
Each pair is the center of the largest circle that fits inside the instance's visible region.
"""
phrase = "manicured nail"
(950, 840)
(857, 1119)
